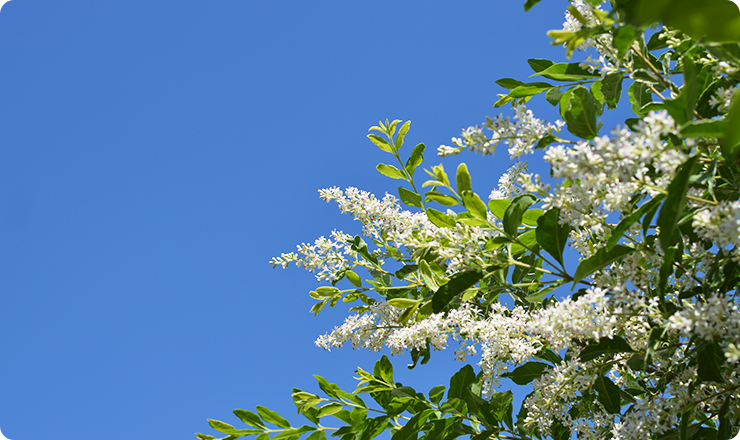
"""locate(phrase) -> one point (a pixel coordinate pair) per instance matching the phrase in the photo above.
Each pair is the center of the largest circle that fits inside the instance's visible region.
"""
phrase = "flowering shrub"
(647, 346)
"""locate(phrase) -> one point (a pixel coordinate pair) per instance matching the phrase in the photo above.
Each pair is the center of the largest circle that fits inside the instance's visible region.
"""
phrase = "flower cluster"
(520, 135)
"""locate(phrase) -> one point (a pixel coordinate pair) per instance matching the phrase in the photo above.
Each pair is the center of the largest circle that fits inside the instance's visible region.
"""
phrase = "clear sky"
(154, 155)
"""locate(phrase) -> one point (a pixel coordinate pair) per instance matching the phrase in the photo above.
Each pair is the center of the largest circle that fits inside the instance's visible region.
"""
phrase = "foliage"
(647, 346)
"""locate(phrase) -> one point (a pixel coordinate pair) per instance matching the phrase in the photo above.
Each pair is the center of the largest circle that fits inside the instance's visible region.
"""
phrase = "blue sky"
(154, 155)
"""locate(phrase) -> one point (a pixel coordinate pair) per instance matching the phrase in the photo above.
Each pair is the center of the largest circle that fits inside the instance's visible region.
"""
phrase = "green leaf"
(672, 209)
(413, 426)
(605, 346)
(704, 127)
(515, 212)
(384, 370)
(623, 38)
(529, 3)
(436, 394)
(639, 95)
(403, 303)
(509, 83)
(527, 373)
(474, 204)
(531, 216)
(463, 179)
(228, 429)
(409, 197)
(709, 358)
(205, 437)
(428, 276)
(440, 219)
(567, 72)
(459, 383)
(316, 435)
(390, 171)
(440, 198)
(602, 258)
(611, 87)
(329, 409)
(731, 141)
(353, 278)
(498, 207)
(402, 135)
(380, 142)
(627, 222)
(525, 241)
(580, 112)
(415, 159)
(608, 394)
(553, 95)
(539, 64)
(458, 283)
(551, 235)
(529, 89)
(249, 418)
(272, 417)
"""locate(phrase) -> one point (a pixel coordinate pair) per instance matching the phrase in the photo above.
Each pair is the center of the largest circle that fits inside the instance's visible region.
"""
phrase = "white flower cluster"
(717, 319)
(587, 11)
(327, 256)
(720, 224)
(520, 135)
(507, 183)
(609, 171)
(722, 99)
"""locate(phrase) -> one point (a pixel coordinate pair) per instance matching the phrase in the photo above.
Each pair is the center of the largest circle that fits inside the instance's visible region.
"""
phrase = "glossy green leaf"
(415, 159)
(553, 95)
(413, 426)
(524, 241)
(509, 83)
(430, 279)
(316, 435)
(526, 373)
(249, 418)
(380, 142)
(409, 197)
(390, 171)
(384, 370)
(704, 127)
(498, 207)
(515, 212)
(673, 207)
(460, 381)
(474, 205)
(539, 64)
(567, 72)
(605, 346)
(602, 258)
(612, 88)
(463, 179)
(353, 278)
(329, 409)
(402, 135)
(458, 283)
(639, 95)
(529, 89)
(551, 235)
(436, 394)
(272, 417)
(580, 112)
(403, 303)
(623, 38)
(440, 219)
(531, 216)
(608, 394)
(440, 198)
